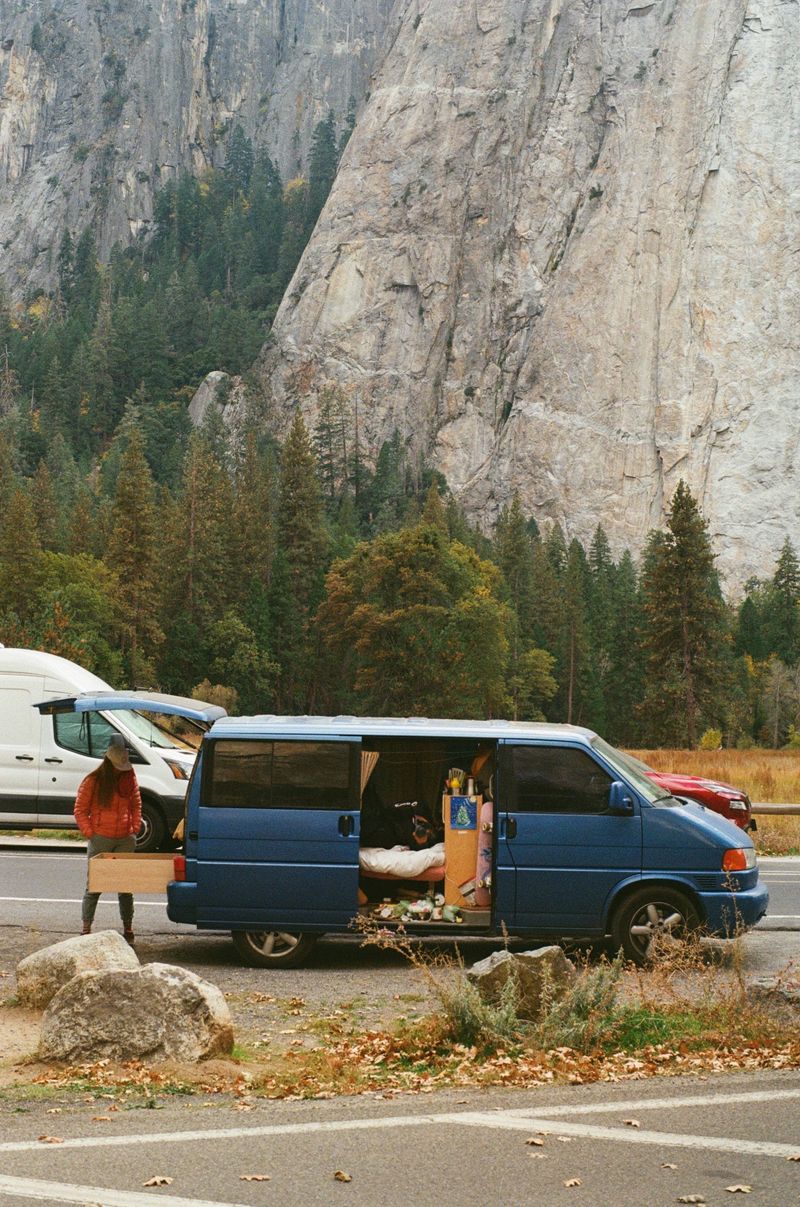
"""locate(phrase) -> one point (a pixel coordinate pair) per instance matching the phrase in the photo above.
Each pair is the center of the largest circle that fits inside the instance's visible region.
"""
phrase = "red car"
(722, 798)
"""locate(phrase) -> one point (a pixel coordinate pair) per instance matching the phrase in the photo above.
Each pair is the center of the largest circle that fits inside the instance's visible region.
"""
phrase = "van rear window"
(247, 774)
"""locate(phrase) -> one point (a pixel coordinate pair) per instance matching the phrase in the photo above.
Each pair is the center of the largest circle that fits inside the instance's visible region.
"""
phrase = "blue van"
(548, 833)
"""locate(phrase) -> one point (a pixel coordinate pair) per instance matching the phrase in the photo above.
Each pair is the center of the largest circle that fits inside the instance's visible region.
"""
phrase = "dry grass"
(767, 776)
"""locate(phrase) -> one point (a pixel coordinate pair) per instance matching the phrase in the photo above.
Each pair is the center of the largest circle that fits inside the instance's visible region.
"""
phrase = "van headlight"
(737, 806)
(177, 769)
(739, 859)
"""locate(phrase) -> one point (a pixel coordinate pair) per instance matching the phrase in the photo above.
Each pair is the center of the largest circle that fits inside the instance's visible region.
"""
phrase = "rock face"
(101, 104)
(156, 1012)
(42, 974)
(558, 257)
(544, 975)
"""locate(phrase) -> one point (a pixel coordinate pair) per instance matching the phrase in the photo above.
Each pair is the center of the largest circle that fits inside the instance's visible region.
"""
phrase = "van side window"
(557, 779)
(84, 733)
(279, 775)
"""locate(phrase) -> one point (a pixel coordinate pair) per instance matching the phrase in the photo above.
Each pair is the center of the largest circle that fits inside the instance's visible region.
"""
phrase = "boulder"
(778, 995)
(543, 975)
(41, 975)
(155, 1012)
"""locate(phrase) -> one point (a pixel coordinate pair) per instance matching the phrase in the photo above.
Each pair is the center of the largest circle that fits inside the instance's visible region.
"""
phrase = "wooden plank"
(121, 872)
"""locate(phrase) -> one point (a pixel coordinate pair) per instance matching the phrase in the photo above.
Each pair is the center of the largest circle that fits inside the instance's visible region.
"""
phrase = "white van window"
(84, 733)
(279, 775)
(557, 779)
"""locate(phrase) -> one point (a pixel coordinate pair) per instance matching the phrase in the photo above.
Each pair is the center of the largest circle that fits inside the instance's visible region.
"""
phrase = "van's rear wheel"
(153, 828)
(651, 922)
(273, 948)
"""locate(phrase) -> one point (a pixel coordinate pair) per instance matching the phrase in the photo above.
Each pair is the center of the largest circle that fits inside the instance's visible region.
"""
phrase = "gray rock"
(42, 974)
(544, 976)
(777, 994)
(157, 1012)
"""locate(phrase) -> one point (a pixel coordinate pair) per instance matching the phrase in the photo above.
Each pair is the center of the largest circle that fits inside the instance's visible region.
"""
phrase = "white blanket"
(400, 861)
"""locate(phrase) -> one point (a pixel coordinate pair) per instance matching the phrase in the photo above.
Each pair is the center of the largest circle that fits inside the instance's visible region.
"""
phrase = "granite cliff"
(103, 101)
(559, 256)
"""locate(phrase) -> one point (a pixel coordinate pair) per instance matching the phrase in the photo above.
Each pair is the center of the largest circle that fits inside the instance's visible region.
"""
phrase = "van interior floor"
(470, 919)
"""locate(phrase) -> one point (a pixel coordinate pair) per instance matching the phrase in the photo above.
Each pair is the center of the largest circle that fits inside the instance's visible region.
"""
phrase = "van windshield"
(633, 771)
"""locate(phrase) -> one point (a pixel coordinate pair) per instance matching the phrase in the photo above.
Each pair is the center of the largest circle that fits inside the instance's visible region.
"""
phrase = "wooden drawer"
(121, 872)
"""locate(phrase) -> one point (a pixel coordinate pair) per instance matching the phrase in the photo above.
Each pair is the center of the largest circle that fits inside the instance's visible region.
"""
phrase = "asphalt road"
(636, 1144)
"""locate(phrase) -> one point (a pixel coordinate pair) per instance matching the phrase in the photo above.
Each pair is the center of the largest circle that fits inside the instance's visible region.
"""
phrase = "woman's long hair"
(105, 782)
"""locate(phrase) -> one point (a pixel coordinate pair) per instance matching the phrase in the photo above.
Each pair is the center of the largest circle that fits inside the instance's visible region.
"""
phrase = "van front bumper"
(726, 913)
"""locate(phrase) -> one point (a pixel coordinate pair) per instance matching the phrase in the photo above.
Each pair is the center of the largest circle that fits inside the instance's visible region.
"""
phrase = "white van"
(43, 758)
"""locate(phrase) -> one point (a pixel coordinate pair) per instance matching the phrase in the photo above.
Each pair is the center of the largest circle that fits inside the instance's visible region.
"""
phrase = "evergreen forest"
(317, 576)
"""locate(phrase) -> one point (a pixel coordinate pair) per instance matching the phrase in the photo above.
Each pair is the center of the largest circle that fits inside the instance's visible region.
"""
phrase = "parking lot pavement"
(628, 1145)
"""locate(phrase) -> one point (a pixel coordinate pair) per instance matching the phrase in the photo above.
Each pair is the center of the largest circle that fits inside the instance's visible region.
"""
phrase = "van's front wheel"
(651, 922)
(273, 948)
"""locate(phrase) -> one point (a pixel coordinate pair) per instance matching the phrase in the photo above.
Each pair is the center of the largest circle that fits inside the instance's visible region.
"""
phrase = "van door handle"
(511, 827)
(346, 825)
(24, 758)
(54, 760)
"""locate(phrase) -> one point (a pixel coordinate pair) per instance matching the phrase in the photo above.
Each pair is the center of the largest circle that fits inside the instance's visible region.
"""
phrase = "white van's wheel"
(273, 948)
(151, 834)
(652, 921)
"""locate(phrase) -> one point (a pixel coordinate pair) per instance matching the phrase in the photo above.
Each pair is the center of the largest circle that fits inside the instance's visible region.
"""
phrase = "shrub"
(711, 740)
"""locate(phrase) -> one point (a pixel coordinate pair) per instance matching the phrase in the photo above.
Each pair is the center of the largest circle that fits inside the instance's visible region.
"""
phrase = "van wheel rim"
(273, 942)
(657, 922)
(145, 831)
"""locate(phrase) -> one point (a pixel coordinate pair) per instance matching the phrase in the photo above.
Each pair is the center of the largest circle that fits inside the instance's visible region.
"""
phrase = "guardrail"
(787, 810)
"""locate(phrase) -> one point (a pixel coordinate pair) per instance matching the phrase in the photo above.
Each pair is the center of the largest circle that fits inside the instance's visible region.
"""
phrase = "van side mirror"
(620, 800)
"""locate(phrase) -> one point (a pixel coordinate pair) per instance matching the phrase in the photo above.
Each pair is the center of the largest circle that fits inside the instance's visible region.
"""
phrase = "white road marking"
(591, 1131)
(77, 901)
(662, 1104)
(512, 1119)
(58, 1192)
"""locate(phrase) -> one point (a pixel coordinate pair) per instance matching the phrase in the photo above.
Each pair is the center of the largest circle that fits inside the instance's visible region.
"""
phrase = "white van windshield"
(151, 732)
(632, 770)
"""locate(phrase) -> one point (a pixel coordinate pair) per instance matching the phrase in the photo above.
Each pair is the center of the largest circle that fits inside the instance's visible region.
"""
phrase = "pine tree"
(626, 672)
(684, 627)
(301, 561)
(45, 507)
(239, 161)
(133, 553)
(20, 557)
(783, 611)
(322, 166)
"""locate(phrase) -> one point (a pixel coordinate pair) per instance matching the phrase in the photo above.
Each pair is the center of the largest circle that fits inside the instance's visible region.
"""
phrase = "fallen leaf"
(244, 1106)
(255, 1177)
(739, 1189)
(56, 1110)
(341, 1176)
(793, 1157)
(535, 1140)
(50, 1139)
(564, 1139)
(573, 1182)
(693, 1198)
(668, 1165)
(158, 1180)
(631, 1122)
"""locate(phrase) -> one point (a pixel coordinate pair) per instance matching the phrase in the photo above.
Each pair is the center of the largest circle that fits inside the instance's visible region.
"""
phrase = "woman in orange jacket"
(108, 810)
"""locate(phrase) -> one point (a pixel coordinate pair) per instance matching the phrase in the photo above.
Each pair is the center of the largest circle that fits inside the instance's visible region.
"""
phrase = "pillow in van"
(399, 861)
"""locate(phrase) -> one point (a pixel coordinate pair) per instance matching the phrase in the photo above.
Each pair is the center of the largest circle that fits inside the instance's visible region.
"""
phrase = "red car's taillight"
(179, 867)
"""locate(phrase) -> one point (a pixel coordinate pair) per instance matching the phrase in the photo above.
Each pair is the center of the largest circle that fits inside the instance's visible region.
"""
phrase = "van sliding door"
(278, 833)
